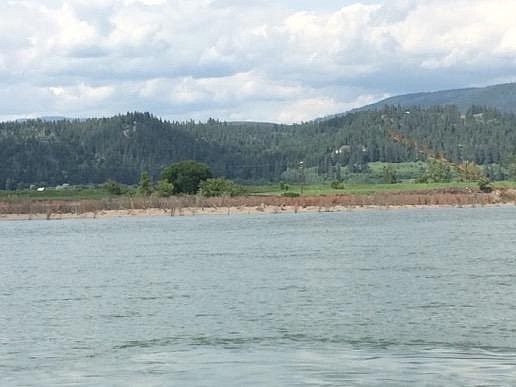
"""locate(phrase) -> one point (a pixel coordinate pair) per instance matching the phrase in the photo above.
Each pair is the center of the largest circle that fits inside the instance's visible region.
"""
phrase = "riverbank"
(154, 212)
(27, 209)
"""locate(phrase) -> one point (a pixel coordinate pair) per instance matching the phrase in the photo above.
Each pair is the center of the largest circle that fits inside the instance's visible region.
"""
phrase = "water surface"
(365, 298)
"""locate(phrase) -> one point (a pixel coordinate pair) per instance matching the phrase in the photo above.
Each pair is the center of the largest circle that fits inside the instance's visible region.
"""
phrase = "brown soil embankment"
(193, 205)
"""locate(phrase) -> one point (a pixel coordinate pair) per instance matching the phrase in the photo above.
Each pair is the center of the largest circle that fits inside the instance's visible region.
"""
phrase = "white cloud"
(307, 109)
(81, 94)
(273, 60)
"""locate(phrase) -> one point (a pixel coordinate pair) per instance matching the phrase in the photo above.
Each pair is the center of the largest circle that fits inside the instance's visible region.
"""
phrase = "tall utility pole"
(302, 173)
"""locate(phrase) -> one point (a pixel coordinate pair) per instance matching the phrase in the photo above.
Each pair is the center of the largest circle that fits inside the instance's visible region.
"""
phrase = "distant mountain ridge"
(501, 97)
(50, 153)
(55, 150)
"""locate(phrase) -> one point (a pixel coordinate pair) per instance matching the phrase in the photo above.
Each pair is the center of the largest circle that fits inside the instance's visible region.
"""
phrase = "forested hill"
(500, 97)
(120, 147)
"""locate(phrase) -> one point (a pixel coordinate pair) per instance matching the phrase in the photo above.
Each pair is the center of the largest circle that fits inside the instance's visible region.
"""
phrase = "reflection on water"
(387, 298)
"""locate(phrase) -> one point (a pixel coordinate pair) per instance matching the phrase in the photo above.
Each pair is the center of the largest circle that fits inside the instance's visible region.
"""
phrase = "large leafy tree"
(186, 176)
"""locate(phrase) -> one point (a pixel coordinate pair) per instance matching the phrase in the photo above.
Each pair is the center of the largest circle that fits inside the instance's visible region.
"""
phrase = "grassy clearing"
(366, 189)
(404, 171)
(259, 190)
(50, 194)
(505, 184)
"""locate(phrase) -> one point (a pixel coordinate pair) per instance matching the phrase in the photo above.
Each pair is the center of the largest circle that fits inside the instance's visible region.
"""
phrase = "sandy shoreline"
(241, 210)
(112, 207)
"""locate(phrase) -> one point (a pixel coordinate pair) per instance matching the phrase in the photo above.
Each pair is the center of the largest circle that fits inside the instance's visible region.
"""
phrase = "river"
(405, 297)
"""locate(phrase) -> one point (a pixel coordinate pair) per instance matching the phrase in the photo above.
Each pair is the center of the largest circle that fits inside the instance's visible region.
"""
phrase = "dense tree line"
(121, 147)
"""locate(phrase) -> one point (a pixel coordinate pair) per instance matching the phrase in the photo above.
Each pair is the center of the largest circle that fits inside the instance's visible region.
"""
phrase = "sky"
(262, 60)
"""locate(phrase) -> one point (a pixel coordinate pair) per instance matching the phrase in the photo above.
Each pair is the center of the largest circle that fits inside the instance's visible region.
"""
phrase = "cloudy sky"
(268, 60)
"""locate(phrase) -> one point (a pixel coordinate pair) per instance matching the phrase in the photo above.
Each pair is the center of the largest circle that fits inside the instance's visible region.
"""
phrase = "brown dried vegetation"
(176, 205)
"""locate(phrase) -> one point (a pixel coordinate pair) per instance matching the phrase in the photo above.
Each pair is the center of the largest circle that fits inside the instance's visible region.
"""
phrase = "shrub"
(389, 175)
(219, 187)
(164, 188)
(469, 171)
(512, 167)
(113, 187)
(485, 185)
(437, 170)
(337, 184)
(145, 184)
(290, 194)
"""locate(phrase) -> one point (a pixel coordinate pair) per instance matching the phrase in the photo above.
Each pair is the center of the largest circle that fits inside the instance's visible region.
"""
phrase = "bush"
(114, 188)
(164, 188)
(337, 185)
(389, 175)
(485, 185)
(469, 171)
(437, 171)
(220, 187)
(512, 168)
(290, 194)
(145, 184)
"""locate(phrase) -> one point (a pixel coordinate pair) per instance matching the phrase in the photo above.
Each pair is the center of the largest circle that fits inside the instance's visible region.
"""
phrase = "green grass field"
(325, 189)
(268, 189)
(49, 194)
